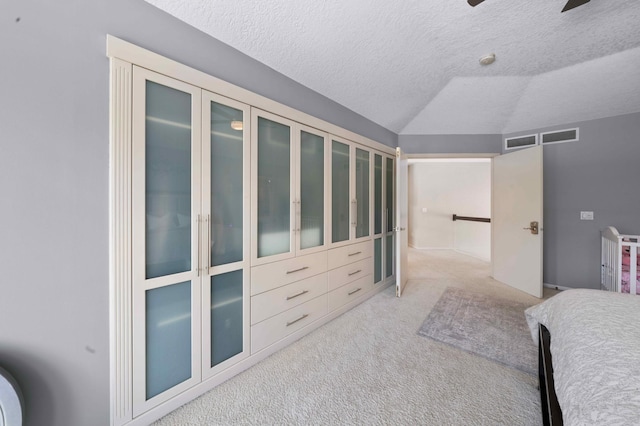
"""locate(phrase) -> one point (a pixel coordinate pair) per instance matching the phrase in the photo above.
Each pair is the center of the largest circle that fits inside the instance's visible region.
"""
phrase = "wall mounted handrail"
(471, 219)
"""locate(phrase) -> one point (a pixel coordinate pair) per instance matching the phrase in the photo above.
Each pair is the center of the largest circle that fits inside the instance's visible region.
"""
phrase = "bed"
(589, 344)
(620, 262)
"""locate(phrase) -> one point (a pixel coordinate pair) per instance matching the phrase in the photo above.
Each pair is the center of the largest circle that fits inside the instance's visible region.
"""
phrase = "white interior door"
(402, 208)
(517, 207)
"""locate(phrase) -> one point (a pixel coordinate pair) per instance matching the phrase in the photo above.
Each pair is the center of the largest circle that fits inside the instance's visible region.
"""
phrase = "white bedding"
(595, 350)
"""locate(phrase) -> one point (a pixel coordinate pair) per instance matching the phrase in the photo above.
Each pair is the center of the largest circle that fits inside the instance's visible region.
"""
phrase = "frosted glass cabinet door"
(340, 202)
(166, 200)
(168, 336)
(273, 188)
(377, 194)
(389, 190)
(227, 316)
(226, 207)
(227, 186)
(362, 193)
(168, 154)
(377, 260)
(312, 172)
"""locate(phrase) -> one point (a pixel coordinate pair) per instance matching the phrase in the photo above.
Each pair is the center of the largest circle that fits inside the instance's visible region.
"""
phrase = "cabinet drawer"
(349, 292)
(348, 254)
(278, 327)
(270, 303)
(347, 273)
(276, 274)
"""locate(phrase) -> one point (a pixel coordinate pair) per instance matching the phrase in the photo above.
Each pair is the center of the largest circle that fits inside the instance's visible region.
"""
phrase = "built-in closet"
(238, 225)
(190, 228)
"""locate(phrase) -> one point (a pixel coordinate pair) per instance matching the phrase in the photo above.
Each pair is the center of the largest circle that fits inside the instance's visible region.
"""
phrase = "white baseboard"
(430, 248)
(475, 256)
(556, 287)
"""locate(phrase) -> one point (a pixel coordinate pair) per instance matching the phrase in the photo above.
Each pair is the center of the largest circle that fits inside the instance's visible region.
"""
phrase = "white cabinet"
(351, 192)
(289, 188)
(278, 327)
(190, 232)
(350, 273)
(233, 230)
(383, 217)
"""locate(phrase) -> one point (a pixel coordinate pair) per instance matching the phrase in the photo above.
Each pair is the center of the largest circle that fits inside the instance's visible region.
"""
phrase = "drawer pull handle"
(298, 270)
(353, 254)
(296, 320)
(297, 295)
(356, 272)
(354, 291)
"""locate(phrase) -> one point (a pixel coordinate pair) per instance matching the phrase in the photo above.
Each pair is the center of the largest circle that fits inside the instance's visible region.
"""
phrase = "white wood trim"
(118, 48)
(120, 275)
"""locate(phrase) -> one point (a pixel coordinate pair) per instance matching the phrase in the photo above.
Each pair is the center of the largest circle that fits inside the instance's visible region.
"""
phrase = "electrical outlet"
(586, 215)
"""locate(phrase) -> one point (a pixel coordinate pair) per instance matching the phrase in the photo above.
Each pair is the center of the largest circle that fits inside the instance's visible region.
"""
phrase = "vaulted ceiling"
(412, 66)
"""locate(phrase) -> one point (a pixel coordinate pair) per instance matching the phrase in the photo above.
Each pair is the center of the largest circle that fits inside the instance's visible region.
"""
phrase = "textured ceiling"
(412, 66)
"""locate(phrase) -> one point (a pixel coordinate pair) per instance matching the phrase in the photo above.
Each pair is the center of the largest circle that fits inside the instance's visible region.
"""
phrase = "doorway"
(442, 190)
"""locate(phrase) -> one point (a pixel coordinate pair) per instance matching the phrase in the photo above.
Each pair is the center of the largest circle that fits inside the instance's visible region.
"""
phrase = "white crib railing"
(613, 244)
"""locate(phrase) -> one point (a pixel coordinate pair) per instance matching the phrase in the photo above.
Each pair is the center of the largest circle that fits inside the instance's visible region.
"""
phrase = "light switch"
(424, 210)
(586, 215)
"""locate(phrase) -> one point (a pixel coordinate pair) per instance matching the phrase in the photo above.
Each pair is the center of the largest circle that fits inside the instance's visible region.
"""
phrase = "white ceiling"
(412, 66)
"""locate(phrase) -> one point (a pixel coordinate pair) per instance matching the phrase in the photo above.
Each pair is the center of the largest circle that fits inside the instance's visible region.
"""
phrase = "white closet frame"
(123, 55)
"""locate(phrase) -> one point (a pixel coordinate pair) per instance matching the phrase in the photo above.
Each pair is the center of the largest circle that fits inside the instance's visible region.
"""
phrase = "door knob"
(533, 227)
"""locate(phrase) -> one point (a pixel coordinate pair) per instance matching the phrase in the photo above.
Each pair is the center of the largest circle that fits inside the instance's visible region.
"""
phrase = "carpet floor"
(369, 366)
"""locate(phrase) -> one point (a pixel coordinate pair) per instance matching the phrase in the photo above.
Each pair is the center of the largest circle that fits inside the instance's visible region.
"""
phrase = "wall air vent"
(559, 136)
(520, 141)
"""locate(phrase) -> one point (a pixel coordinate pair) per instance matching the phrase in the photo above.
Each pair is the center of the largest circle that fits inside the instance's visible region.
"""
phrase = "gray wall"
(598, 173)
(450, 144)
(54, 183)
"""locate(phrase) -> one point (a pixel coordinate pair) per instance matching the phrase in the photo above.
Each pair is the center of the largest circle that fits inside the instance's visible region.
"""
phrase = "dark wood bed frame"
(551, 413)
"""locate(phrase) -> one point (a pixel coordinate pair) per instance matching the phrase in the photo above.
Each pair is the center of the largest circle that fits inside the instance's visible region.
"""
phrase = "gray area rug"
(484, 325)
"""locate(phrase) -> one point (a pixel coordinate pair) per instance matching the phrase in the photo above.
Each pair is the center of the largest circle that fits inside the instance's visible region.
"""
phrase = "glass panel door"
(377, 260)
(168, 152)
(274, 182)
(168, 337)
(389, 191)
(340, 190)
(226, 179)
(273, 190)
(378, 215)
(311, 172)
(166, 221)
(377, 194)
(225, 189)
(389, 206)
(362, 193)
(227, 325)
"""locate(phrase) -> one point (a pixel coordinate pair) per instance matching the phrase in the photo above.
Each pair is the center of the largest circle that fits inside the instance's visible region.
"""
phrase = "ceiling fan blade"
(474, 3)
(574, 3)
